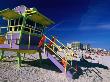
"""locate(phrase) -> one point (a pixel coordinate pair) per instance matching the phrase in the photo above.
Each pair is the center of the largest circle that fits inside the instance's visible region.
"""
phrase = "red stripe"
(42, 41)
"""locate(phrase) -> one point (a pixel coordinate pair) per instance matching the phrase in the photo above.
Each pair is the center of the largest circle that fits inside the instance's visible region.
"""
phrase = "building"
(86, 46)
(68, 45)
(76, 45)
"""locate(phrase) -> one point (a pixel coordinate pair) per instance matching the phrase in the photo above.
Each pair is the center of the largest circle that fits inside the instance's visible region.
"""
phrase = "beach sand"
(31, 71)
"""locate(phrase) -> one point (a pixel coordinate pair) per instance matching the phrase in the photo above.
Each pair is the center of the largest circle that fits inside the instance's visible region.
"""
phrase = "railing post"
(53, 47)
(44, 48)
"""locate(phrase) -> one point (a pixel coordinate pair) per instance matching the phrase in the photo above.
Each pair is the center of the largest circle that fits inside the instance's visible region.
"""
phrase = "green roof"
(39, 18)
(9, 14)
(36, 16)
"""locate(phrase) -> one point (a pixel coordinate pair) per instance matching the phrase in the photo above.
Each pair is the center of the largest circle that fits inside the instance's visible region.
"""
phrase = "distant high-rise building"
(76, 45)
(86, 46)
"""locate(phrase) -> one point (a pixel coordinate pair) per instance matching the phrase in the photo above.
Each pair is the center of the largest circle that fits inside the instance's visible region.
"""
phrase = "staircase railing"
(67, 54)
(54, 52)
(45, 45)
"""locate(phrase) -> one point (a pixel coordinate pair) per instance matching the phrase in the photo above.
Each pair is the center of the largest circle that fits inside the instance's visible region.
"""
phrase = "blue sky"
(87, 21)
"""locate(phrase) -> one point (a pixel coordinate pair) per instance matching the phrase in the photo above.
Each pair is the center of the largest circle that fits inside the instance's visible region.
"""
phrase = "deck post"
(24, 55)
(1, 55)
(19, 59)
(40, 56)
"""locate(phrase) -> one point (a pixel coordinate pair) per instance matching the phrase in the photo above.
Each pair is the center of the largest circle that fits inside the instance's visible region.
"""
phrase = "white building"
(68, 45)
(86, 46)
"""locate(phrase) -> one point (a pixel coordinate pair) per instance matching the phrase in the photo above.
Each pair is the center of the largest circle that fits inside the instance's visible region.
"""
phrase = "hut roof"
(35, 17)
(9, 14)
(40, 18)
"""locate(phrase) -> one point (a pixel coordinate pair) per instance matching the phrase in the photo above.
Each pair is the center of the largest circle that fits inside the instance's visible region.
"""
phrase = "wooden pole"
(2, 55)
(29, 38)
(40, 56)
(19, 59)
(24, 56)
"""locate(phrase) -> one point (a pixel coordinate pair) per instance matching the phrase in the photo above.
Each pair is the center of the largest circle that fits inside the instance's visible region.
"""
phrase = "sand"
(10, 72)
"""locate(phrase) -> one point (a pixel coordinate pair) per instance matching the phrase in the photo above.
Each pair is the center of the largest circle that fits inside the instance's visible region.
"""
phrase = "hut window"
(15, 29)
(16, 22)
(29, 22)
(27, 29)
(10, 28)
(37, 32)
(12, 22)
(21, 20)
(19, 28)
(32, 30)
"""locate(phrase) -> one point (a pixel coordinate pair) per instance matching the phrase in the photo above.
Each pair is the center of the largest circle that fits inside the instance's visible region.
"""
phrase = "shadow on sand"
(86, 64)
(44, 63)
(47, 64)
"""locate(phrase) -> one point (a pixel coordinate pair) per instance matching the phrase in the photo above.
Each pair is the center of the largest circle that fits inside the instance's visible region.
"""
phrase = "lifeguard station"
(25, 28)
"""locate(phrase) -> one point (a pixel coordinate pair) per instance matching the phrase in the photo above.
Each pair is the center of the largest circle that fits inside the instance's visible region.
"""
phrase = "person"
(64, 62)
(82, 58)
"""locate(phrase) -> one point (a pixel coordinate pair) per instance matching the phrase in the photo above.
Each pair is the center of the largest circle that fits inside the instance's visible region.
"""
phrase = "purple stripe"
(25, 47)
(14, 36)
(55, 62)
(59, 65)
(14, 46)
(4, 46)
(68, 74)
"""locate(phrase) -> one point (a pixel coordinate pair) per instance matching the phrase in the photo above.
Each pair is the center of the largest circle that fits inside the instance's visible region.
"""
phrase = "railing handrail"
(58, 46)
(59, 56)
(56, 53)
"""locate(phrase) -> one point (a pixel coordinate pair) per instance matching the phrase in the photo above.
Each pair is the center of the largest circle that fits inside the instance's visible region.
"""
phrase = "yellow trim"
(15, 26)
(58, 55)
(68, 55)
(20, 51)
(55, 53)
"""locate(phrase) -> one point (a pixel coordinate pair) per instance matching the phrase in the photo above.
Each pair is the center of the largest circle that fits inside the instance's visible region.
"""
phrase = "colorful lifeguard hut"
(25, 28)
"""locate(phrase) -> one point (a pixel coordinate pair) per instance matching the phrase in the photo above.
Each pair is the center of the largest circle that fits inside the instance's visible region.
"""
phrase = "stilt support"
(40, 56)
(2, 55)
(19, 59)
(24, 55)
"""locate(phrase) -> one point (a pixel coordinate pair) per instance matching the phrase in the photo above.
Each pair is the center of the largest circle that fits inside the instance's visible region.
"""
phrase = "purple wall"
(23, 42)
(14, 36)
(34, 40)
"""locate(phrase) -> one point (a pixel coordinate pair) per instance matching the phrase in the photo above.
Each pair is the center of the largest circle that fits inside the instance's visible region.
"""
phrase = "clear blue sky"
(87, 21)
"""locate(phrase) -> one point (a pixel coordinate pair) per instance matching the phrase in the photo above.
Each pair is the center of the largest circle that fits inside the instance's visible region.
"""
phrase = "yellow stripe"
(55, 53)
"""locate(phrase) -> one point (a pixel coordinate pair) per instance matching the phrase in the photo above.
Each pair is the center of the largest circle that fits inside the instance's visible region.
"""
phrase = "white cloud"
(104, 26)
